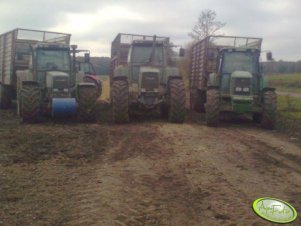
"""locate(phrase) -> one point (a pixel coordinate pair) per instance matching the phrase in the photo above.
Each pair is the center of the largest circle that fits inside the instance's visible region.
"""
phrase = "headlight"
(246, 89)
(238, 89)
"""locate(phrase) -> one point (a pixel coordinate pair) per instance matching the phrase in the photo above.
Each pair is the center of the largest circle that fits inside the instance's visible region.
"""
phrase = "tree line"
(279, 67)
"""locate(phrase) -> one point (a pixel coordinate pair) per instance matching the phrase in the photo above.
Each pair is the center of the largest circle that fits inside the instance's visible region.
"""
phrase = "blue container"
(63, 107)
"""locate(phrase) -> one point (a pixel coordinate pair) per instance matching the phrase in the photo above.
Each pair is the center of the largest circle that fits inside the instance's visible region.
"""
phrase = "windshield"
(87, 68)
(143, 55)
(53, 60)
(239, 61)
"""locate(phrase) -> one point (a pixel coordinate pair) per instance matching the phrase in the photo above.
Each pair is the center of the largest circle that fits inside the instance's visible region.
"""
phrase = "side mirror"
(269, 56)
(182, 52)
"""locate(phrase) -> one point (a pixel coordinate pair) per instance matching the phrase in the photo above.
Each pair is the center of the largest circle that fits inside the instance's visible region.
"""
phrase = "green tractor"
(226, 77)
(143, 77)
(51, 87)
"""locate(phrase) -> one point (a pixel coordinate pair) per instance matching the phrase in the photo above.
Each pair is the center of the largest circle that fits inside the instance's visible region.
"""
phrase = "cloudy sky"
(94, 23)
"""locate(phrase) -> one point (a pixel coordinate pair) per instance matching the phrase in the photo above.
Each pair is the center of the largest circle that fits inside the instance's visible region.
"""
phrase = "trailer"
(15, 55)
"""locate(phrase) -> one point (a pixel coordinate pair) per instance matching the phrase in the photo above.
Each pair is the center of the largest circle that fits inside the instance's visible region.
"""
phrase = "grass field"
(285, 82)
(289, 115)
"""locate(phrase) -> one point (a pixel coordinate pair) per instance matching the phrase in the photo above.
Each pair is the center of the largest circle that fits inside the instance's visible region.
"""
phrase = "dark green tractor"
(235, 82)
(144, 78)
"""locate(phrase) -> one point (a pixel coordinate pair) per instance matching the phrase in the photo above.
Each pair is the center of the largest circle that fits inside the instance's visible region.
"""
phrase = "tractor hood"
(57, 79)
(149, 79)
(241, 74)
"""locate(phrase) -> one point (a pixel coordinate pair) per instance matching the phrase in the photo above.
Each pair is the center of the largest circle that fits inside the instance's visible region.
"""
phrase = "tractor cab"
(239, 75)
(51, 69)
(146, 53)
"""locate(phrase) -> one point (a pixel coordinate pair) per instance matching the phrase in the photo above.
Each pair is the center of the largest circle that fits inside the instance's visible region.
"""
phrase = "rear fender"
(174, 77)
(29, 83)
(84, 85)
(117, 78)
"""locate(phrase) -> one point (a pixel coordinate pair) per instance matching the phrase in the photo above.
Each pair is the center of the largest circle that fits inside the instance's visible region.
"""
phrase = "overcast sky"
(95, 23)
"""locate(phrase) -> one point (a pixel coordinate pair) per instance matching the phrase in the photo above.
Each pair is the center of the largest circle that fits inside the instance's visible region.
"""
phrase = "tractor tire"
(212, 107)
(5, 99)
(269, 110)
(120, 101)
(30, 103)
(164, 110)
(87, 98)
(177, 98)
(257, 117)
(19, 105)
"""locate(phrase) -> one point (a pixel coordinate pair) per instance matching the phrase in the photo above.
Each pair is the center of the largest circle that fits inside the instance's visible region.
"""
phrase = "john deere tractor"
(226, 77)
(50, 86)
(144, 78)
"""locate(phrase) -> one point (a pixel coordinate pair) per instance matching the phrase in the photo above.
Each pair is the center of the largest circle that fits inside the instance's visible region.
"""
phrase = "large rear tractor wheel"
(269, 110)
(30, 103)
(120, 101)
(212, 107)
(257, 117)
(5, 99)
(177, 98)
(87, 98)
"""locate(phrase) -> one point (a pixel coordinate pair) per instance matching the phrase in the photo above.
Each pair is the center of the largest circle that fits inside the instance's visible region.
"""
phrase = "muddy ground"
(148, 172)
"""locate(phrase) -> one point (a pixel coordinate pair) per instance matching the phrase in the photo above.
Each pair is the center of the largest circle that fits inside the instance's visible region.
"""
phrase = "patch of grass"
(285, 82)
(289, 115)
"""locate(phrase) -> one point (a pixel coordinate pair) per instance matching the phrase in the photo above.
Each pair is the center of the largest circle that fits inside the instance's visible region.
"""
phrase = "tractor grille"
(242, 86)
(150, 81)
(60, 82)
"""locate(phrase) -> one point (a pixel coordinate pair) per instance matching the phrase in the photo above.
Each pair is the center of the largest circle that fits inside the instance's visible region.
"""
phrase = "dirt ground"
(148, 172)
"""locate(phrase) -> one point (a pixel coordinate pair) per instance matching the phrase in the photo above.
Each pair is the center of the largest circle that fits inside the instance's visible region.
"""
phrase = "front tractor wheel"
(120, 101)
(30, 103)
(87, 98)
(212, 107)
(268, 120)
(177, 98)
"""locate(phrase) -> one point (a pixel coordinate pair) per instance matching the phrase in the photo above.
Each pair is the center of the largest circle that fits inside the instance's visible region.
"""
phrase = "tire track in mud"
(243, 162)
(103, 198)
(168, 174)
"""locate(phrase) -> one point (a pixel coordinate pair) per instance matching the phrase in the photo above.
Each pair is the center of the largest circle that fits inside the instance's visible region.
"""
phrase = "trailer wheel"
(87, 98)
(30, 103)
(269, 110)
(212, 107)
(177, 98)
(120, 101)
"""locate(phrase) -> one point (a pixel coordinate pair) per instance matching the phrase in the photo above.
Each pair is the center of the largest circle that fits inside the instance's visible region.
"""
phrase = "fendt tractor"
(143, 77)
(36, 67)
(226, 77)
